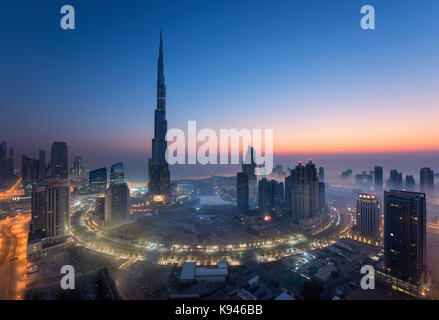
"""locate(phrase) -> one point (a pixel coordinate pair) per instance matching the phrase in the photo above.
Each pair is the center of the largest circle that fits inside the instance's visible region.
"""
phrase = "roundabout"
(206, 236)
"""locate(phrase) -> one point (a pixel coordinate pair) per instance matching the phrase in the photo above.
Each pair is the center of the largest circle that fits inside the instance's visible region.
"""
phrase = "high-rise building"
(364, 180)
(270, 195)
(59, 160)
(3, 161)
(249, 165)
(395, 180)
(378, 179)
(77, 169)
(242, 192)
(305, 201)
(321, 174)
(50, 209)
(404, 240)
(264, 196)
(117, 204)
(29, 170)
(158, 169)
(100, 206)
(289, 190)
(427, 180)
(368, 215)
(6, 162)
(42, 164)
(410, 184)
(322, 196)
(98, 180)
(280, 193)
(10, 164)
(117, 174)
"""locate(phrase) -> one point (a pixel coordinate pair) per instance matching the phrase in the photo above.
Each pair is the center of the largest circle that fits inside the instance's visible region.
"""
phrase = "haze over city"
(336, 200)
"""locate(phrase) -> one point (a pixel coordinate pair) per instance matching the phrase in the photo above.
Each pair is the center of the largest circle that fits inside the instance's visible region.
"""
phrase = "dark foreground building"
(405, 267)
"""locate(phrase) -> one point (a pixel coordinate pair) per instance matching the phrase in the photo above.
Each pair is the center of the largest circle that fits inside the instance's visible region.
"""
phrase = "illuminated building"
(59, 160)
(404, 241)
(100, 206)
(77, 169)
(427, 180)
(242, 192)
(117, 204)
(117, 173)
(50, 209)
(98, 180)
(29, 170)
(368, 215)
(158, 169)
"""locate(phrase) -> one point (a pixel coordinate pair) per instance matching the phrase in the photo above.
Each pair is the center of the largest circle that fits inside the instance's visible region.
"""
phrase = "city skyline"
(319, 106)
(291, 154)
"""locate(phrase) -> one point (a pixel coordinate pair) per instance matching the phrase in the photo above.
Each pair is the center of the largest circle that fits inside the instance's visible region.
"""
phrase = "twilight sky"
(304, 68)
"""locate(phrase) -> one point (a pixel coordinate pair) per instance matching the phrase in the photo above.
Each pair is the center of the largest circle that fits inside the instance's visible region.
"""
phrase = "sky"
(305, 69)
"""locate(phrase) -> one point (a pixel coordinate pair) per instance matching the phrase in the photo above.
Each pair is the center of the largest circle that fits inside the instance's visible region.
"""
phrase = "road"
(13, 240)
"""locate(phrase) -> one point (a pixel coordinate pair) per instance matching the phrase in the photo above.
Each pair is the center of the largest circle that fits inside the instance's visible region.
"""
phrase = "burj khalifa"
(158, 169)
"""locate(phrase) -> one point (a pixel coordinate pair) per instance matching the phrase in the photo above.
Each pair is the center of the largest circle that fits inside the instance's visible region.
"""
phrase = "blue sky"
(300, 67)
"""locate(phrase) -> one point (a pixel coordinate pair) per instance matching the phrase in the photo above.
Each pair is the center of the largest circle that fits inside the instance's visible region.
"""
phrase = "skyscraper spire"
(158, 171)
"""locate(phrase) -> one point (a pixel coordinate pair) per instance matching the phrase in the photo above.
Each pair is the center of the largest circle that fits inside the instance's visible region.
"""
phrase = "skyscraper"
(242, 192)
(289, 190)
(50, 209)
(368, 215)
(395, 180)
(100, 206)
(364, 180)
(158, 170)
(10, 164)
(77, 169)
(305, 201)
(321, 174)
(322, 196)
(29, 170)
(249, 165)
(378, 179)
(117, 204)
(42, 164)
(404, 240)
(117, 173)
(98, 180)
(427, 180)
(264, 196)
(3, 162)
(410, 184)
(59, 160)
